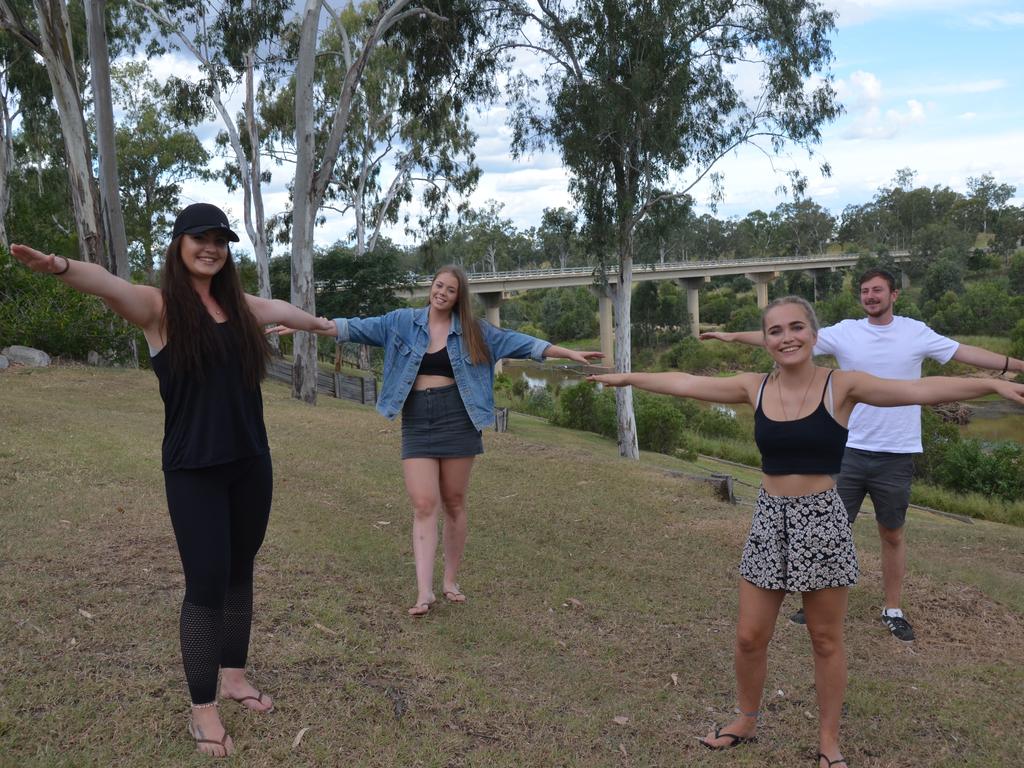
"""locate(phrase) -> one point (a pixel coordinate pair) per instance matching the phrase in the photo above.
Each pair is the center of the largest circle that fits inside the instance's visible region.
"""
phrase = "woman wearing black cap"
(209, 354)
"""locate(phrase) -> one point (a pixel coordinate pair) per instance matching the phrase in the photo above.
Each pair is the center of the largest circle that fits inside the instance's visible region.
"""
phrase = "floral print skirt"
(800, 543)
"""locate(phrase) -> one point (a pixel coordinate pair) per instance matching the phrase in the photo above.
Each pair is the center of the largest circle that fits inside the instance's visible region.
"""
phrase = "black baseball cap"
(201, 217)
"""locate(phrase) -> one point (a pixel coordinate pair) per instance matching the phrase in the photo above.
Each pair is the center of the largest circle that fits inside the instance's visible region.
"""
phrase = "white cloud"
(968, 115)
(861, 88)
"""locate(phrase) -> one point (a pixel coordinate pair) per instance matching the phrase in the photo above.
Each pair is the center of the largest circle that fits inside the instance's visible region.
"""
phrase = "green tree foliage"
(557, 238)
(1016, 274)
(156, 153)
(632, 109)
(1017, 340)
(569, 313)
(746, 317)
(659, 314)
(39, 311)
(946, 274)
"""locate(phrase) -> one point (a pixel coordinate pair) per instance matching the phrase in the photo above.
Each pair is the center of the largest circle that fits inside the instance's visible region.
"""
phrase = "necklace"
(803, 399)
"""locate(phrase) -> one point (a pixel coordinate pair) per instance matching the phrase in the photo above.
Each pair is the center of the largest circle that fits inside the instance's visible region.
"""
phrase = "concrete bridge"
(494, 287)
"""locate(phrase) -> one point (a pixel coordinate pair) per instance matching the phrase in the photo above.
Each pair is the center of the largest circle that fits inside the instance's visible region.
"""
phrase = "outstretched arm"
(140, 305)
(579, 356)
(865, 388)
(753, 338)
(982, 358)
(289, 317)
(729, 389)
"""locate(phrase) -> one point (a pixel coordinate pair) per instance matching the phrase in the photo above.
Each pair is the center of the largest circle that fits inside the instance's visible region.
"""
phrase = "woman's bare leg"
(454, 485)
(825, 610)
(422, 483)
(759, 608)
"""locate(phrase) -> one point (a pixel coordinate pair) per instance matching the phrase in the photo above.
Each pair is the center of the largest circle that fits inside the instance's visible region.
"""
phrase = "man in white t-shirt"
(879, 451)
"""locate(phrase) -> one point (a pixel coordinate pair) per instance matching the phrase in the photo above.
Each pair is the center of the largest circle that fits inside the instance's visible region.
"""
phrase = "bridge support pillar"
(761, 280)
(904, 280)
(692, 286)
(492, 312)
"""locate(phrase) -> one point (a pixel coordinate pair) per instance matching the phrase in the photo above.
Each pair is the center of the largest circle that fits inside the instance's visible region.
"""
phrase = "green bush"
(584, 408)
(1017, 340)
(689, 355)
(42, 312)
(745, 318)
(712, 422)
(659, 426)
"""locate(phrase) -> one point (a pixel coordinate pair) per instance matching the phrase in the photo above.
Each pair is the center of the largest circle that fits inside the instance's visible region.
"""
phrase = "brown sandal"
(222, 742)
(454, 595)
(258, 698)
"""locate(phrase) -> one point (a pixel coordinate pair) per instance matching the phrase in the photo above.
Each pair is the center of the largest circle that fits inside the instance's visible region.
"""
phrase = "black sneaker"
(899, 627)
(798, 617)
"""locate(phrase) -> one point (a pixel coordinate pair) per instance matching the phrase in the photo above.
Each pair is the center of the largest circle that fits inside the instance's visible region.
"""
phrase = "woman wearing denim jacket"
(439, 373)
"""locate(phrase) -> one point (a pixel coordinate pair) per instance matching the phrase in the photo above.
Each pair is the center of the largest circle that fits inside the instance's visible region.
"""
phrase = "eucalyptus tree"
(989, 197)
(558, 237)
(233, 43)
(644, 98)
(46, 27)
(440, 44)
(158, 151)
(24, 100)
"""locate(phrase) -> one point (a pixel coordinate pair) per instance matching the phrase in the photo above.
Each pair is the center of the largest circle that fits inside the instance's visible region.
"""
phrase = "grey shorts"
(885, 477)
(435, 425)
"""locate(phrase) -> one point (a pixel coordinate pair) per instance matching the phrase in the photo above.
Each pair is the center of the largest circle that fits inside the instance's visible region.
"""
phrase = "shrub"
(659, 426)
(745, 318)
(40, 311)
(583, 407)
(712, 422)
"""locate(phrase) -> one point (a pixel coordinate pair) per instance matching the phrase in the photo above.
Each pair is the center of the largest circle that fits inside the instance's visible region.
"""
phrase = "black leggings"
(219, 516)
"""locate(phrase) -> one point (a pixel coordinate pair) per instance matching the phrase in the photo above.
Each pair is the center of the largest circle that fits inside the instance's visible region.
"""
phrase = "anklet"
(204, 706)
(753, 714)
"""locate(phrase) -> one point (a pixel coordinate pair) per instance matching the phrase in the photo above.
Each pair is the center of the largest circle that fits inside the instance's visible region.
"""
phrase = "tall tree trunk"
(57, 53)
(6, 166)
(628, 447)
(109, 187)
(304, 204)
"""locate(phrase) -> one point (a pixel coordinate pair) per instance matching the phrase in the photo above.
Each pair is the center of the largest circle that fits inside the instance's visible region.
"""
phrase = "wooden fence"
(361, 389)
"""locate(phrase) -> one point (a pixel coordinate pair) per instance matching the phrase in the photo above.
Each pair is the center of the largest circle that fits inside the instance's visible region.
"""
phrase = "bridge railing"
(422, 281)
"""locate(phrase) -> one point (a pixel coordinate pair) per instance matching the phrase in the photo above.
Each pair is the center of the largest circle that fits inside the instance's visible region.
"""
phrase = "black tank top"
(212, 421)
(812, 445)
(436, 364)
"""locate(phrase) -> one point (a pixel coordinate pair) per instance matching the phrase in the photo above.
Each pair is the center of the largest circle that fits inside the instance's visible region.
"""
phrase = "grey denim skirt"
(435, 425)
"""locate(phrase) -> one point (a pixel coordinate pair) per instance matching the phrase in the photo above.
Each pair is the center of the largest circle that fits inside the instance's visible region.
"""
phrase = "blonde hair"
(804, 304)
(472, 335)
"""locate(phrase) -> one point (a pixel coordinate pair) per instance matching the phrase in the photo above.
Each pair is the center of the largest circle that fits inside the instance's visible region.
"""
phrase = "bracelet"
(210, 705)
(1006, 366)
(67, 266)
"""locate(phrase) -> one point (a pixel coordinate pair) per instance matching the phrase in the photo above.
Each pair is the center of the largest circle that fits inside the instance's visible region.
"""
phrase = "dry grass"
(598, 589)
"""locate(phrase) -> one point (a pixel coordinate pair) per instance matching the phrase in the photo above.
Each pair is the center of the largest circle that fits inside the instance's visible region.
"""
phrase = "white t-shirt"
(893, 351)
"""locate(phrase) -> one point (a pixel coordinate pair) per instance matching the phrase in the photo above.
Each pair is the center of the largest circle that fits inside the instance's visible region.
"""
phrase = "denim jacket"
(405, 337)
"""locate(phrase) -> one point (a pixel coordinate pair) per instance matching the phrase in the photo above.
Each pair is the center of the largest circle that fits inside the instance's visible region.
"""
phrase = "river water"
(991, 420)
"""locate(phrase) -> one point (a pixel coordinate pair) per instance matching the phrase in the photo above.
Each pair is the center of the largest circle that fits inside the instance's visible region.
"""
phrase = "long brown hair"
(472, 335)
(190, 331)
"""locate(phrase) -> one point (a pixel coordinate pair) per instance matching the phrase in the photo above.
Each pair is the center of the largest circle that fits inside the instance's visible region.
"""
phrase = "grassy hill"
(598, 590)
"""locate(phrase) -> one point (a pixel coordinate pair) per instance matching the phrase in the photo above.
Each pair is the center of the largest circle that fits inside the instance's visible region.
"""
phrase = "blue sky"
(931, 85)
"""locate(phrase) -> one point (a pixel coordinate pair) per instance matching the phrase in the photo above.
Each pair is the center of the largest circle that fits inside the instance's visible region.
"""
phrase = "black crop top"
(212, 421)
(812, 445)
(436, 364)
